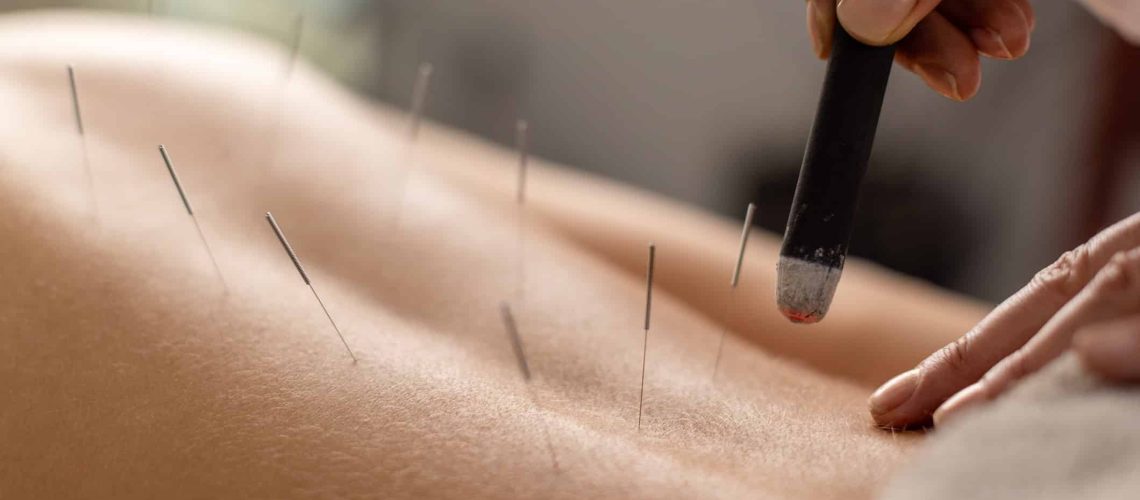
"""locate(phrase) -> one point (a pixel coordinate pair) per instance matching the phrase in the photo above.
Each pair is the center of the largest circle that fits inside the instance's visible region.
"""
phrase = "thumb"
(882, 22)
(1111, 349)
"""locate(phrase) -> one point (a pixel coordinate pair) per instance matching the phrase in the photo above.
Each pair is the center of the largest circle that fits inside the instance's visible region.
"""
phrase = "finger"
(1114, 292)
(1027, 11)
(1111, 349)
(821, 25)
(943, 57)
(882, 22)
(911, 398)
(999, 28)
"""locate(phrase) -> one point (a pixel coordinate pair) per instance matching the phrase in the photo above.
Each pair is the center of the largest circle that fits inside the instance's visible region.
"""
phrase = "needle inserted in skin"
(522, 130)
(190, 210)
(419, 97)
(305, 277)
(275, 101)
(524, 368)
(735, 280)
(516, 341)
(645, 341)
(521, 139)
(75, 98)
(295, 44)
(82, 133)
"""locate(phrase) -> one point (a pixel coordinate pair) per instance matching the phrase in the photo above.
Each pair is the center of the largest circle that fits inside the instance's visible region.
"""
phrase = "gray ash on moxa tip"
(820, 221)
(804, 289)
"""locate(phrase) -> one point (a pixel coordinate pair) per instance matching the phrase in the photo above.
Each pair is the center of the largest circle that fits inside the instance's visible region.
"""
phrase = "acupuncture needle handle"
(820, 221)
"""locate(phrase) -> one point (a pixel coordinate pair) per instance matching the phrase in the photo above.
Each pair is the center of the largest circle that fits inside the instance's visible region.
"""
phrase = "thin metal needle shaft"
(748, 216)
(190, 210)
(516, 341)
(82, 133)
(419, 98)
(522, 130)
(524, 368)
(75, 98)
(645, 341)
(305, 277)
(295, 44)
(174, 177)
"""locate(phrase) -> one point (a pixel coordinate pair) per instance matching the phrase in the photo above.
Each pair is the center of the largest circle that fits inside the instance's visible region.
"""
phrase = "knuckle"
(1009, 370)
(955, 356)
(1067, 275)
(1122, 273)
(1016, 367)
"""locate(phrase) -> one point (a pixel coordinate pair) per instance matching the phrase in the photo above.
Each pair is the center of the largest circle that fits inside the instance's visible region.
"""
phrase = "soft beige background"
(129, 370)
(706, 101)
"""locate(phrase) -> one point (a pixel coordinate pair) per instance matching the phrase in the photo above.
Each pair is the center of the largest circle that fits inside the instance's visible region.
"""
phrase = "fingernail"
(955, 405)
(816, 28)
(940, 80)
(894, 393)
(990, 43)
(874, 20)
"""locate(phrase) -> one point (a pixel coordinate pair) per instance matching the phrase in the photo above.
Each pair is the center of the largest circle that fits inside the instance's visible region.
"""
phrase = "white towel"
(1061, 434)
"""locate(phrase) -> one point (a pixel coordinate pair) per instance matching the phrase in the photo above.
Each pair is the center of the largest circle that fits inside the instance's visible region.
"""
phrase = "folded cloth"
(1061, 434)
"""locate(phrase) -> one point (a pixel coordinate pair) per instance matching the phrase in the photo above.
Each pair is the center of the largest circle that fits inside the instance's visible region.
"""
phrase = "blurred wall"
(703, 100)
(711, 101)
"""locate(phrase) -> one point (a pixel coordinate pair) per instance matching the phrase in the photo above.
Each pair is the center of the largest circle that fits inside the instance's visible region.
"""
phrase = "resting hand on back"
(1087, 301)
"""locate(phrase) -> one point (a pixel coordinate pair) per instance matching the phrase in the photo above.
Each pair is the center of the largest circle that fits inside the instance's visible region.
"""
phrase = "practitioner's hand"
(1088, 301)
(945, 36)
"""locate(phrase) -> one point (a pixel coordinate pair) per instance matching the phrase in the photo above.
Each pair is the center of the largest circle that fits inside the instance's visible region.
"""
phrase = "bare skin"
(1080, 302)
(128, 370)
(1086, 301)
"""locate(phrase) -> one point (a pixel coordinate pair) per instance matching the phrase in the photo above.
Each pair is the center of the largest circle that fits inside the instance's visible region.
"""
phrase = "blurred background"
(711, 101)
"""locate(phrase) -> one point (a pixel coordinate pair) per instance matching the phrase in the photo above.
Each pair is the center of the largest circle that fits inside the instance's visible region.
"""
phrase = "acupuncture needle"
(82, 136)
(524, 369)
(190, 210)
(522, 132)
(645, 341)
(276, 100)
(415, 115)
(419, 98)
(305, 277)
(731, 303)
(295, 45)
